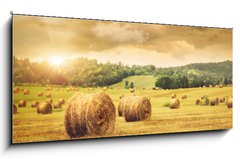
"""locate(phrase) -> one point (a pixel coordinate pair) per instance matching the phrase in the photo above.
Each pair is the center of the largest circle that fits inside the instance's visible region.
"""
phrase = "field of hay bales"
(29, 126)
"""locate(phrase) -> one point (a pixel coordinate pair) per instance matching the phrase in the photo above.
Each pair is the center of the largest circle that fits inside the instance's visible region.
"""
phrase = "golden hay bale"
(44, 108)
(22, 103)
(49, 88)
(136, 108)
(104, 88)
(184, 96)
(48, 95)
(26, 92)
(68, 89)
(198, 102)
(214, 101)
(14, 109)
(57, 105)
(16, 90)
(90, 114)
(61, 101)
(173, 95)
(220, 86)
(175, 103)
(210, 86)
(202, 97)
(40, 94)
(49, 101)
(121, 106)
(132, 90)
(76, 89)
(222, 100)
(229, 102)
(121, 96)
(217, 101)
(35, 104)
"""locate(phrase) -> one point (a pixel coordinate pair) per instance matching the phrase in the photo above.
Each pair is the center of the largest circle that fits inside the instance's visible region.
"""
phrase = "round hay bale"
(35, 104)
(22, 103)
(44, 108)
(26, 92)
(57, 105)
(220, 86)
(214, 102)
(40, 94)
(210, 86)
(104, 88)
(217, 101)
(222, 100)
(229, 102)
(198, 102)
(132, 90)
(61, 101)
(16, 90)
(121, 96)
(68, 89)
(48, 95)
(173, 95)
(203, 97)
(136, 108)
(49, 88)
(184, 96)
(14, 109)
(121, 106)
(49, 101)
(175, 103)
(90, 114)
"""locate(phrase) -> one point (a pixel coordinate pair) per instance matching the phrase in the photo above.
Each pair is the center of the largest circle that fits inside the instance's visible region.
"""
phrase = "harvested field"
(28, 125)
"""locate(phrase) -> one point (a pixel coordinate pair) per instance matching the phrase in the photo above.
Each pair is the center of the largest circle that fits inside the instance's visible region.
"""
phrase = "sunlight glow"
(57, 60)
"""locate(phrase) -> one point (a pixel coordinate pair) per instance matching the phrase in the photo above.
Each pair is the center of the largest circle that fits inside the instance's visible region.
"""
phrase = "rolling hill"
(139, 82)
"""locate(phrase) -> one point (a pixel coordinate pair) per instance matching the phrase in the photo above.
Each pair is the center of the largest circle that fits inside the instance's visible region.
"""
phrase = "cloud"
(118, 33)
(42, 37)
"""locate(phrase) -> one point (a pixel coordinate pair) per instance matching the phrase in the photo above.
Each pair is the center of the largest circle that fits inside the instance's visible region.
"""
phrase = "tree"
(126, 84)
(131, 85)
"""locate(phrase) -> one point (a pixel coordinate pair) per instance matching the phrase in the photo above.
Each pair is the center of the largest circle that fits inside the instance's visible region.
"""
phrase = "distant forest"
(89, 73)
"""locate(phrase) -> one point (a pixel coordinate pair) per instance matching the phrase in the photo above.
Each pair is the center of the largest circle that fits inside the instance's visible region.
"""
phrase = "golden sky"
(43, 38)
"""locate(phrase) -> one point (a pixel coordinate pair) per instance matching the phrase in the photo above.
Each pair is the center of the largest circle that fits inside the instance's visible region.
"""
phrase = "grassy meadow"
(28, 126)
(140, 81)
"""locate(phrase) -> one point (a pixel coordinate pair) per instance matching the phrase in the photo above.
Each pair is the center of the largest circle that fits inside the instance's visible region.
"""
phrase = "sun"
(56, 60)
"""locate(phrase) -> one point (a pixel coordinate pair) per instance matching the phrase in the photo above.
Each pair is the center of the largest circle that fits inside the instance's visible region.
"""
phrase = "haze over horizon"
(56, 39)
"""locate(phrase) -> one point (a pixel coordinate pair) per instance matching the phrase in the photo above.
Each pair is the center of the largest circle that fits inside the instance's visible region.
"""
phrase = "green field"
(28, 126)
(139, 82)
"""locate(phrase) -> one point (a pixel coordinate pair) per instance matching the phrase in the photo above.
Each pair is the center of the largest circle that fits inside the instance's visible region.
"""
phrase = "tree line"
(89, 73)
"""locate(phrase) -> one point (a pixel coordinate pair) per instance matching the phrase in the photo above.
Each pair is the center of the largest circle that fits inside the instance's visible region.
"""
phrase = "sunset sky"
(56, 39)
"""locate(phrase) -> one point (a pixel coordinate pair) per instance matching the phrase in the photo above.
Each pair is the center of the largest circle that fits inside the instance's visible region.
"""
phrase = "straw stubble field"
(28, 126)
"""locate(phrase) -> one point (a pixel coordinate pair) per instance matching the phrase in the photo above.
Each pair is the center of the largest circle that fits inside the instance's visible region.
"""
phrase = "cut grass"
(28, 126)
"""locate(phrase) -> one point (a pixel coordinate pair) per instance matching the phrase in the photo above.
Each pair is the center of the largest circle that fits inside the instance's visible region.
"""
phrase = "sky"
(57, 39)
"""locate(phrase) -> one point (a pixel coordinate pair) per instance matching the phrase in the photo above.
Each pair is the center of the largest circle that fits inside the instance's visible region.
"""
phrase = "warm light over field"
(57, 60)
(129, 43)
